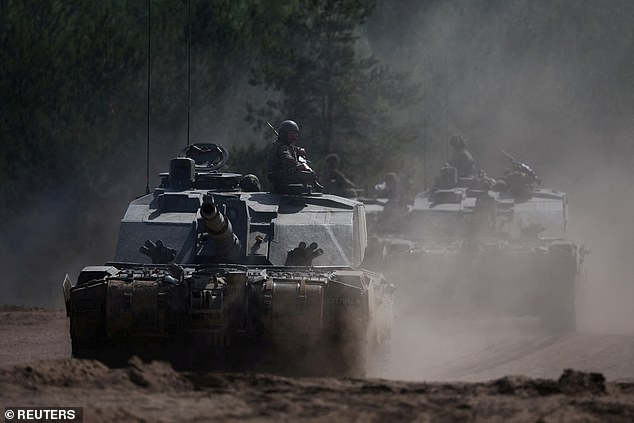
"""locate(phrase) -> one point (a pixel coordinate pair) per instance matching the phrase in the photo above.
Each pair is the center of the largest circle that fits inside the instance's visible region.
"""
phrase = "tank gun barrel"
(510, 157)
(522, 167)
(220, 230)
(519, 164)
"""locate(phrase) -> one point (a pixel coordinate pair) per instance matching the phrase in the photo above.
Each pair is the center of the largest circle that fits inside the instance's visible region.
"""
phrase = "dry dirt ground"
(457, 374)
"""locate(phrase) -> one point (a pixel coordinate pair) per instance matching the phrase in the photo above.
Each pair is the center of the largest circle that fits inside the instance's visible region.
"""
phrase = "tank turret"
(500, 245)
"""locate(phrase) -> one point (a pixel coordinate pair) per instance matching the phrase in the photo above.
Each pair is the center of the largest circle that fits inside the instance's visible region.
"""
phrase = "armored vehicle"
(477, 244)
(207, 275)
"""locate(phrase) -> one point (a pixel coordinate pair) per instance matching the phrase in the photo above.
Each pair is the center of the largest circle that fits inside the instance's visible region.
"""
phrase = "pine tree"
(344, 100)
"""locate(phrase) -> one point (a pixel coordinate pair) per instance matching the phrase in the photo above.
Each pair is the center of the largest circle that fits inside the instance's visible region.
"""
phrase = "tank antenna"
(189, 66)
(274, 130)
(447, 109)
(425, 158)
(149, 79)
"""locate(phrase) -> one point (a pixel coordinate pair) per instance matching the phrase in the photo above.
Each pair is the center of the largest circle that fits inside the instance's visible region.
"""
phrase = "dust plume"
(552, 84)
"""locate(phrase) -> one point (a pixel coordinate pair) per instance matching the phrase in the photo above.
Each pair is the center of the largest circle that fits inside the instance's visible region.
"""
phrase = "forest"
(383, 84)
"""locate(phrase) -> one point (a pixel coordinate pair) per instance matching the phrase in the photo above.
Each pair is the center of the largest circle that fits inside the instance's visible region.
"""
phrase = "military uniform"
(463, 161)
(283, 157)
(250, 183)
(334, 180)
(285, 166)
(395, 209)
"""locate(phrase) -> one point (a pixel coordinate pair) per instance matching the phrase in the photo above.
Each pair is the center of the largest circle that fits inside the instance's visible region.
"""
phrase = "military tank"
(477, 244)
(206, 275)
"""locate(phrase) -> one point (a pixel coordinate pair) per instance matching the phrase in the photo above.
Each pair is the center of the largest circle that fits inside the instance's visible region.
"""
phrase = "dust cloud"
(557, 96)
(602, 220)
(555, 93)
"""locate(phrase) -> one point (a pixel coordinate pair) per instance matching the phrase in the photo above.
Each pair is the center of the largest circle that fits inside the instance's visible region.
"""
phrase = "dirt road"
(35, 369)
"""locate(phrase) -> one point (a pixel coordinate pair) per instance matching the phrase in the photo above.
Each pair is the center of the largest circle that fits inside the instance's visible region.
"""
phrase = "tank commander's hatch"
(207, 156)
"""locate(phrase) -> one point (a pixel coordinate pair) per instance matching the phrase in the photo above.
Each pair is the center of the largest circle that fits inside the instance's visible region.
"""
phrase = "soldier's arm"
(286, 159)
(343, 180)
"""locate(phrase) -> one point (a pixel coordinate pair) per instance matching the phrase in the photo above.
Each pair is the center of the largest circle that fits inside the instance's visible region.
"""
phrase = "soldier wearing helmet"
(250, 183)
(286, 162)
(334, 180)
(461, 158)
(395, 209)
(283, 155)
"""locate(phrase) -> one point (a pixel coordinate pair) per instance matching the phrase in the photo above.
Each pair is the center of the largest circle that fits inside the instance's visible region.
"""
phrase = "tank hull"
(481, 252)
(538, 280)
(288, 320)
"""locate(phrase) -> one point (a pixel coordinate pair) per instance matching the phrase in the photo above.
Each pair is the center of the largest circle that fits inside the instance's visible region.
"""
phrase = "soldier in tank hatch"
(461, 158)
(334, 180)
(286, 162)
(250, 183)
(395, 209)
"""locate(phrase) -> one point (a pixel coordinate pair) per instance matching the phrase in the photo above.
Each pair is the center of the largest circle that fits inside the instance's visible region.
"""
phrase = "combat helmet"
(458, 142)
(285, 127)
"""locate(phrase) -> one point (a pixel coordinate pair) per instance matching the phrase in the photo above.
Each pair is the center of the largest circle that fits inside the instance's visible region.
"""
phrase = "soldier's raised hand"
(303, 255)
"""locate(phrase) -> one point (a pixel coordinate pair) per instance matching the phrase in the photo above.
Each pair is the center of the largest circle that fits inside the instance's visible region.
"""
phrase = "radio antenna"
(425, 157)
(274, 130)
(189, 66)
(149, 79)
(447, 109)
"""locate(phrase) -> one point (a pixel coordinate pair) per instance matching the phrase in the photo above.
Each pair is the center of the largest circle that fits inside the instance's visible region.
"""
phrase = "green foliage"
(60, 62)
(344, 100)
(249, 160)
(73, 115)
(73, 88)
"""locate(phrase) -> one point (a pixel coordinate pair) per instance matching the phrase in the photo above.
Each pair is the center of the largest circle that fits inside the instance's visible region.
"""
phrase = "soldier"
(390, 188)
(286, 162)
(395, 209)
(250, 183)
(461, 158)
(333, 179)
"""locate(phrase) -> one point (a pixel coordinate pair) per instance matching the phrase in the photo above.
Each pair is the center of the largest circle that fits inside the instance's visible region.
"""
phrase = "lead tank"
(477, 245)
(209, 276)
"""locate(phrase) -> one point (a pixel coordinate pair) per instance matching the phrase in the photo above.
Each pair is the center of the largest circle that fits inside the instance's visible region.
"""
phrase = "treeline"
(73, 113)
(74, 79)
(381, 83)
(74, 85)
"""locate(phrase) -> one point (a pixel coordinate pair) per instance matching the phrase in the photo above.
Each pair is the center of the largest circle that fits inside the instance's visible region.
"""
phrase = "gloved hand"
(159, 253)
(302, 255)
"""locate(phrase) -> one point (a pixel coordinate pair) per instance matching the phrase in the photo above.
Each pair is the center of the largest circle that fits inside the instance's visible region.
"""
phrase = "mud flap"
(66, 285)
